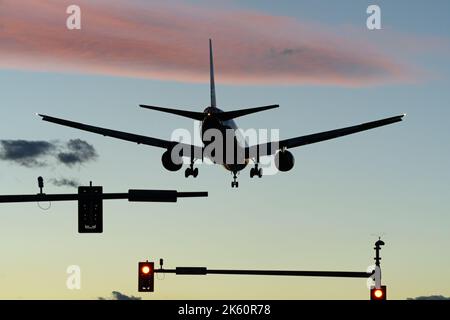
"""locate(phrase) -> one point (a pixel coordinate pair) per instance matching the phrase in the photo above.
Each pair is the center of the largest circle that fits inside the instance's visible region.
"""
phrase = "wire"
(160, 276)
(381, 234)
(42, 208)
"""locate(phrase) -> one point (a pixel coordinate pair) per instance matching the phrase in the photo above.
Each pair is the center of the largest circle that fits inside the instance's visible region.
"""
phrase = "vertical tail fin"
(211, 74)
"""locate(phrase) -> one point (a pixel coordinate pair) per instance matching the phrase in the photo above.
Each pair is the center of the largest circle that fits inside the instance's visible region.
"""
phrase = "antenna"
(211, 75)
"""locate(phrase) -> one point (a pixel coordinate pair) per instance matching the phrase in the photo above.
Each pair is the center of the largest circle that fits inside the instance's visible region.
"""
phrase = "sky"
(316, 59)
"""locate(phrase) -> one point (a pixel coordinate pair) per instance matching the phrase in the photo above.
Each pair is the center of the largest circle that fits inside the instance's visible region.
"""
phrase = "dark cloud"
(30, 153)
(26, 153)
(289, 51)
(116, 295)
(65, 182)
(432, 297)
(78, 152)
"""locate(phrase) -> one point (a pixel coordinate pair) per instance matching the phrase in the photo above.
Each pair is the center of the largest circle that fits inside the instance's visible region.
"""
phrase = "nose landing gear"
(191, 171)
(234, 183)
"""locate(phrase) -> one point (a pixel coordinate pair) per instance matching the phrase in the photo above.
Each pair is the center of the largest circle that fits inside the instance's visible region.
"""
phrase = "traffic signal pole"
(146, 272)
(132, 196)
(377, 292)
(294, 273)
(90, 201)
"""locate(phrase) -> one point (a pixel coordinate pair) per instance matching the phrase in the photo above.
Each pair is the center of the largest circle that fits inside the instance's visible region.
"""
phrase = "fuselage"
(211, 121)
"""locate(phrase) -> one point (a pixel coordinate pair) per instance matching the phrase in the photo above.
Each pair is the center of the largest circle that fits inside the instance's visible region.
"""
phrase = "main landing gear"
(191, 171)
(255, 171)
(234, 183)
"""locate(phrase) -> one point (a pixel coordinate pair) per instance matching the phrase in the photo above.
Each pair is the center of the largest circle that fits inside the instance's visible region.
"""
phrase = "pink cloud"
(169, 42)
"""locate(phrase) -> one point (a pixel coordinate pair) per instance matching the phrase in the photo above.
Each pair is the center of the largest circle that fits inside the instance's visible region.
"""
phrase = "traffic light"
(146, 274)
(90, 209)
(378, 294)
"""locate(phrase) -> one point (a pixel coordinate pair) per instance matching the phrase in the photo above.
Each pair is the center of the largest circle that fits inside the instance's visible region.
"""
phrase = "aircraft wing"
(272, 147)
(139, 139)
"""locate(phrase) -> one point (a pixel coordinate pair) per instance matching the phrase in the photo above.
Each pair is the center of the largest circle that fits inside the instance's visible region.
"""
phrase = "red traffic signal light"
(145, 269)
(378, 294)
(146, 276)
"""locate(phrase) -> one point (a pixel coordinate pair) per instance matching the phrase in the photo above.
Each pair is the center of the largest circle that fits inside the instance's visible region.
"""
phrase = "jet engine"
(169, 163)
(284, 160)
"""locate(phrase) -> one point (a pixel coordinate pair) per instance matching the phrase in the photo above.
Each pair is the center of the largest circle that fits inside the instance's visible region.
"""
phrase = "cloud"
(116, 295)
(37, 153)
(432, 297)
(25, 153)
(289, 51)
(168, 41)
(65, 182)
(79, 151)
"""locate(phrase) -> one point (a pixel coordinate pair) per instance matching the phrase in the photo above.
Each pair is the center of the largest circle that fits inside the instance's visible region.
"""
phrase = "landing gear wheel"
(260, 172)
(255, 171)
(191, 171)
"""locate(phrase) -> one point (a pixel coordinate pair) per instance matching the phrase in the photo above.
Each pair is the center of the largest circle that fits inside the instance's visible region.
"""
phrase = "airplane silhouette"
(214, 118)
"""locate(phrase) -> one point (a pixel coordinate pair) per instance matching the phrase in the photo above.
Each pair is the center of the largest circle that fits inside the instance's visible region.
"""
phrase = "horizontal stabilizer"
(228, 115)
(184, 113)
